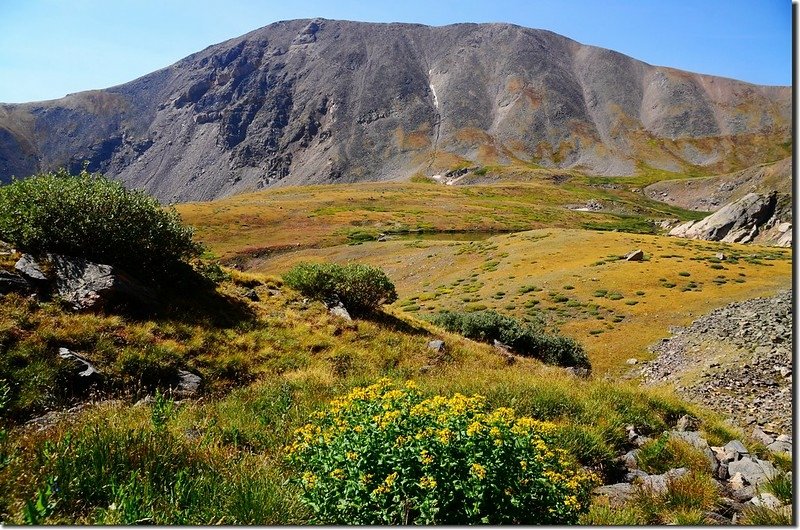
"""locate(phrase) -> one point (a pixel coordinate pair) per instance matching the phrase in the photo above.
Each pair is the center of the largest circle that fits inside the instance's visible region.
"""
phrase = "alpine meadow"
(335, 272)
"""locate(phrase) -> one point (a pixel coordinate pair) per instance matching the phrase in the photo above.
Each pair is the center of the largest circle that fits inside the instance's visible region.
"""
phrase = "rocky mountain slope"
(709, 194)
(321, 101)
(736, 360)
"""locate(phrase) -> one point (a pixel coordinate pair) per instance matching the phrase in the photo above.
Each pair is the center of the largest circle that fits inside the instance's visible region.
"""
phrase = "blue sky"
(49, 48)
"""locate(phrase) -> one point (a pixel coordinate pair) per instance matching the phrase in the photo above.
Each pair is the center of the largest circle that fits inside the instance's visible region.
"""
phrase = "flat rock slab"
(616, 494)
(753, 470)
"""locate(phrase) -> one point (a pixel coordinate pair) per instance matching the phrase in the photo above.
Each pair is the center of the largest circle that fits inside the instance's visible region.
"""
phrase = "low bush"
(92, 217)
(388, 455)
(360, 288)
(523, 338)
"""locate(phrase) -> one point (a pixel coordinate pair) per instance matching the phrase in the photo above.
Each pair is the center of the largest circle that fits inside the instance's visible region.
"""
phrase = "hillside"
(324, 101)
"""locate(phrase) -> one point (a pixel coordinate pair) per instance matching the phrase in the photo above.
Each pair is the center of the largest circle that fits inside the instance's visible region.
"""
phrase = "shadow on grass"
(189, 297)
(393, 323)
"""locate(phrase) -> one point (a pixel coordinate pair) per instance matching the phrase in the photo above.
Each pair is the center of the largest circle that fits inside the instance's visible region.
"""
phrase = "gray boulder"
(84, 284)
(696, 440)
(188, 383)
(30, 268)
(636, 255)
(767, 500)
(583, 373)
(658, 484)
(737, 222)
(87, 285)
(13, 283)
(340, 311)
(762, 437)
(617, 495)
(736, 448)
(436, 345)
(753, 470)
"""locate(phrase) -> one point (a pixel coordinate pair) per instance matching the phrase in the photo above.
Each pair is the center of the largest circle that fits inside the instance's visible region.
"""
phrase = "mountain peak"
(318, 101)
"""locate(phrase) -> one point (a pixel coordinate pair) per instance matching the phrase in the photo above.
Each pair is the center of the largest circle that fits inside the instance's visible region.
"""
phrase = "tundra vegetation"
(303, 416)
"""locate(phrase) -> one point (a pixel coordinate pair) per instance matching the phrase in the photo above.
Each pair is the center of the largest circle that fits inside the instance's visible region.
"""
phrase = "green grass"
(220, 459)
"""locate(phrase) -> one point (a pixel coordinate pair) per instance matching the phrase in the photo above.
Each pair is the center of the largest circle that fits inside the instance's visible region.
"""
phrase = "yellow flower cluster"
(309, 479)
(425, 457)
(427, 483)
(478, 471)
(401, 417)
(386, 486)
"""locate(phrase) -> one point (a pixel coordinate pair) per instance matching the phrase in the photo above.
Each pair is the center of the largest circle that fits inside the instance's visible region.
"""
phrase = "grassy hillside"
(128, 449)
(221, 458)
(573, 279)
(242, 227)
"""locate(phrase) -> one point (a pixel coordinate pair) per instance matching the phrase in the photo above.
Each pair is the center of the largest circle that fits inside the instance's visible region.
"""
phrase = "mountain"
(322, 101)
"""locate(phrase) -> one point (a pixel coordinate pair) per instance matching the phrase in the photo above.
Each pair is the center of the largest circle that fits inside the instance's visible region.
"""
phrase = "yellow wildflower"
(427, 483)
(338, 473)
(478, 470)
(445, 435)
(352, 455)
(309, 479)
(474, 428)
(425, 457)
(523, 464)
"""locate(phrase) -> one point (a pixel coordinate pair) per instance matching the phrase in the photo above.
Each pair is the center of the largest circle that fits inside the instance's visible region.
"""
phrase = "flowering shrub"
(388, 455)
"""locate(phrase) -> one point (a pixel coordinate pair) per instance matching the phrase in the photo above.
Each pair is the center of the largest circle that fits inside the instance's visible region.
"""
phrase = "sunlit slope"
(249, 226)
(573, 278)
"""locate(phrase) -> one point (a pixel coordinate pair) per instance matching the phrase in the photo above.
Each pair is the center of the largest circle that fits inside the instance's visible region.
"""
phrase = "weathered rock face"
(10, 282)
(83, 284)
(738, 222)
(321, 101)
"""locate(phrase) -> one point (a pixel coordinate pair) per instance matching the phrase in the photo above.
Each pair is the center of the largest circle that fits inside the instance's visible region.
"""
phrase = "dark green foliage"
(523, 338)
(360, 288)
(90, 216)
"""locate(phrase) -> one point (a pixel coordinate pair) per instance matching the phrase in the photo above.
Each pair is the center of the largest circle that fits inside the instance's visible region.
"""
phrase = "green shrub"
(360, 288)
(385, 455)
(523, 338)
(90, 216)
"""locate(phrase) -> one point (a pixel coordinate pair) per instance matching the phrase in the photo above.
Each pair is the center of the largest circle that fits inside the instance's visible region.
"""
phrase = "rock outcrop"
(83, 284)
(741, 221)
(740, 477)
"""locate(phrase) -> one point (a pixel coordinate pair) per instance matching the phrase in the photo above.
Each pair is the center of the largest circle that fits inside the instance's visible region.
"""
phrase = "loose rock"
(340, 311)
(436, 345)
(635, 255)
(188, 383)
